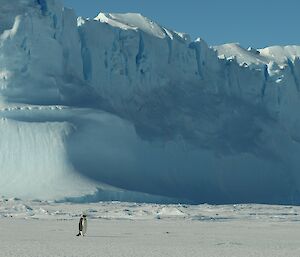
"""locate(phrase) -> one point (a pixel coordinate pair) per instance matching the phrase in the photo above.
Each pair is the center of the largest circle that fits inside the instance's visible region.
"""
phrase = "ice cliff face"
(40, 51)
(146, 111)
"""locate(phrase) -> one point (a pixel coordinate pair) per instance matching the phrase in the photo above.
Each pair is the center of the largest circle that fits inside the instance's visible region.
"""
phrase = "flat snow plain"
(37, 228)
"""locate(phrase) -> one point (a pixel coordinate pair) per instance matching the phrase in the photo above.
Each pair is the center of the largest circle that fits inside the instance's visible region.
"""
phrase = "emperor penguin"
(82, 225)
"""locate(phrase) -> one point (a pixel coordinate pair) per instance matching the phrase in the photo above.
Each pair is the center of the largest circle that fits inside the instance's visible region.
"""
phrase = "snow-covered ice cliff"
(119, 107)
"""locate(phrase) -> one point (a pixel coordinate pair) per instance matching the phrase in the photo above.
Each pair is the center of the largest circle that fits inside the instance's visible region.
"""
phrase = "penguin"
(82, 225)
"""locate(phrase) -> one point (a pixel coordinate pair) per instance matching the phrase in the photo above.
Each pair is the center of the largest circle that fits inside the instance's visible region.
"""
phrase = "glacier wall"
(33, 162)
(149, 114)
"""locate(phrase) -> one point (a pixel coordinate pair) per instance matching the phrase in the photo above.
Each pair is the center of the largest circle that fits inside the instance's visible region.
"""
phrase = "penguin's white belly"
(84, 227)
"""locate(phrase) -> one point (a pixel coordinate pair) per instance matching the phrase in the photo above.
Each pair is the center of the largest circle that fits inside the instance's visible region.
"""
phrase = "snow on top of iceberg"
(258, 57)
(132, 21)
(281, 54)
(234, 50)
(137, 21)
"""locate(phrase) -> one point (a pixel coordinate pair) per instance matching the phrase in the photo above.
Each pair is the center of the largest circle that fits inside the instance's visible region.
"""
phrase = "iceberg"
(121, 108)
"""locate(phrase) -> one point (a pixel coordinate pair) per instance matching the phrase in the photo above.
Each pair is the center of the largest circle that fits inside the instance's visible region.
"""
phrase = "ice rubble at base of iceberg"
(90, 106)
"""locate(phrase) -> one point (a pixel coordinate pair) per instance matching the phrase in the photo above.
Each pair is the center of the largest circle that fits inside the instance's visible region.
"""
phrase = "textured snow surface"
(120, 108)
(132, 21)
(277, 54)
(33, 228)
(16, 208)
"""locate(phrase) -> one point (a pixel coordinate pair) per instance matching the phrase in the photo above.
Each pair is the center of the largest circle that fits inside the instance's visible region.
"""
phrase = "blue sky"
(257, 23)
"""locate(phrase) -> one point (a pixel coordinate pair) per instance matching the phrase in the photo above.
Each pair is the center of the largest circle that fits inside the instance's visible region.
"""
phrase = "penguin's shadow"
(112, 236)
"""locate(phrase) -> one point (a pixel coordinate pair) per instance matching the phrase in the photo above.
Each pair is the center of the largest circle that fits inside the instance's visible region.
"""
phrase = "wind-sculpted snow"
(18, 209)
(46, 228)
(121, 108)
